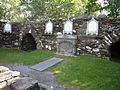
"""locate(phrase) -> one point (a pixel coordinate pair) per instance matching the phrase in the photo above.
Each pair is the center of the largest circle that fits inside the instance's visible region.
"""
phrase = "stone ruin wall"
(109, 32)
(9, 40)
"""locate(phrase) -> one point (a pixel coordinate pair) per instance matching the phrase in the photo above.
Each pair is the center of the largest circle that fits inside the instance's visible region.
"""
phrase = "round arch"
(114, 50)
(28, 42)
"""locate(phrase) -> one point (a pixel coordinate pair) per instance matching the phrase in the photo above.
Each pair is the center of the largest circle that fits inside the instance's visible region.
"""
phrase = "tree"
(92, 7)
(54, 8)
(113, 7)
(10, 10)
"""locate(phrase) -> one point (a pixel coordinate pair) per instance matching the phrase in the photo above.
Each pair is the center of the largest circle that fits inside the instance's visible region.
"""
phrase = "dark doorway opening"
(115, 51)
(28, 42)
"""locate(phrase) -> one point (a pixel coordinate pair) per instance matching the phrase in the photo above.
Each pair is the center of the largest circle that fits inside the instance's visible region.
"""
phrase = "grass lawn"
(88, 73)
(82, 72)
(8, 56)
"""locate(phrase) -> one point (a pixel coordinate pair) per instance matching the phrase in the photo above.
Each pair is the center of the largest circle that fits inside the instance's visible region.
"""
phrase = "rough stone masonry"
(109, 33)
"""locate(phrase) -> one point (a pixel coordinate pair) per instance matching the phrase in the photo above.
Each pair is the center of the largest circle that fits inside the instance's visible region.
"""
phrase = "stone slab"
(46, 64)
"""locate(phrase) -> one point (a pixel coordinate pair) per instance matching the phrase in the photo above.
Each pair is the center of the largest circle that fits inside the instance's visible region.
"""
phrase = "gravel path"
(45, 77)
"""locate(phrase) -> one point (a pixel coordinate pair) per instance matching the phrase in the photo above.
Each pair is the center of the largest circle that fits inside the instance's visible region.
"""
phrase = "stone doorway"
(115, 51)
(28, 42)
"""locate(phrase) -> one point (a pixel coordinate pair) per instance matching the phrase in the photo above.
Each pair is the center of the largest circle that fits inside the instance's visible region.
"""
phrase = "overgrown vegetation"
(88, 73)
(8, 56)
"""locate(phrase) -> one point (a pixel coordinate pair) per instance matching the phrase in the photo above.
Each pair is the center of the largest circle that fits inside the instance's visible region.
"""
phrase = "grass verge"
(8, 56)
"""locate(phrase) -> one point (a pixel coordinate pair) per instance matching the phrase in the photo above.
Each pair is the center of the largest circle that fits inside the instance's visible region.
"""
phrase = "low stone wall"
(109, 32)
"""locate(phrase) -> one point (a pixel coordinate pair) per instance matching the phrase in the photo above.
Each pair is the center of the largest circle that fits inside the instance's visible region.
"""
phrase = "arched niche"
(68, 27)
(114, 51)
(28, 42)
(49, 27)
(7, 28)
(92, 27)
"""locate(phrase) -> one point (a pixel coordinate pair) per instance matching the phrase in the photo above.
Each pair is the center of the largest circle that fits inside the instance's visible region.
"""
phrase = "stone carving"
(49, 27)
(7, 28)
(92, 27)
(68, 27)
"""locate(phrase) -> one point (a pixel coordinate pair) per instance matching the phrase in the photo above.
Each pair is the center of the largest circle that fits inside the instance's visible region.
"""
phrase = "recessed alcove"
(115, 51)
(28, 42)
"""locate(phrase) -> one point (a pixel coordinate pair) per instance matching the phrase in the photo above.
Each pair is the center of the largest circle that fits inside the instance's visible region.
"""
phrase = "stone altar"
(66, 45)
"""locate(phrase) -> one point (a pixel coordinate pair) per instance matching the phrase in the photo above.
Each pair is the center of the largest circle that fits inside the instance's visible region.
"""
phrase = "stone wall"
(9, 40)
(109, 32)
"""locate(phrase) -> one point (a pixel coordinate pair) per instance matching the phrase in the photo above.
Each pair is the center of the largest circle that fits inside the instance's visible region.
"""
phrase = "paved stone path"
(45, 77)
(46, 64)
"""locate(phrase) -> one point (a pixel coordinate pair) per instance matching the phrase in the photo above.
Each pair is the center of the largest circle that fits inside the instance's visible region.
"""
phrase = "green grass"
(8, 56)
(88, 73)
(83, 72)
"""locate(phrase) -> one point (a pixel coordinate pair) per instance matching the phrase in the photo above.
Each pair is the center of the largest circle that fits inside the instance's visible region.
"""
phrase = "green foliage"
(22, 10)
(88, 73)
(92, 7)
(113, 8)
(11, 9)
(55, 8)
(8, 56)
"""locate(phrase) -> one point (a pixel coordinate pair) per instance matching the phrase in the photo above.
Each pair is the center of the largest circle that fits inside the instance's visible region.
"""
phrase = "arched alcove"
(28, 42)
(115, 51)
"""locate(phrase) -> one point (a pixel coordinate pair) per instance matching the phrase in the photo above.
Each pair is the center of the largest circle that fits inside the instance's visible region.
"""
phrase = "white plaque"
(92, 27)
(49, 27)
(7, 28)
(68, 27)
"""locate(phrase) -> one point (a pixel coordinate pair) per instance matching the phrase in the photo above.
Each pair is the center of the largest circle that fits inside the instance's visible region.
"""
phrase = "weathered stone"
(25, 84)
(3, 69)
(3, 84)
(96, 50)
(87, 47)
(8, 77)
(107, 28)
(101, 16)
(66, 44)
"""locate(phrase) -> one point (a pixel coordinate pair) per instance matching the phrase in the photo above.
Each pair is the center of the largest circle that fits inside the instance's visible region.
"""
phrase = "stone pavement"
(46, 64)
(47, 78)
